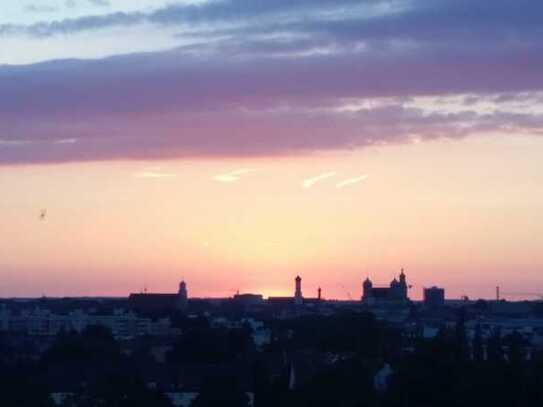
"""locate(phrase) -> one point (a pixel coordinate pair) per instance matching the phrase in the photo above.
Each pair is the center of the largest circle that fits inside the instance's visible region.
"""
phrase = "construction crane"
(346, 292)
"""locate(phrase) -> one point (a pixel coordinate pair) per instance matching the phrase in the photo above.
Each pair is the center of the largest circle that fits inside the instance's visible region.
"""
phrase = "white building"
(41, 322)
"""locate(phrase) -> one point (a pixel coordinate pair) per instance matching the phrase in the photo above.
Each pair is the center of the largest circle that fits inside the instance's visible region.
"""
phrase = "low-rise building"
(42, 322)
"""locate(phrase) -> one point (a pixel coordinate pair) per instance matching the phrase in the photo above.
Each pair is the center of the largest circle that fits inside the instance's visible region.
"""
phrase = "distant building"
(248, 299)
(153, 302)
(434, 297)
(395, 293)
(43, 323)
(298, 298)
(280, 301)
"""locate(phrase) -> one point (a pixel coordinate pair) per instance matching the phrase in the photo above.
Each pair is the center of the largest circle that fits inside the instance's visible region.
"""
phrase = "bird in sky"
(43, 214)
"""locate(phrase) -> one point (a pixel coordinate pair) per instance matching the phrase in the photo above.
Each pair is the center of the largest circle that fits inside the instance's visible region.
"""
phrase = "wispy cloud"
(154, 172)
(14, 143)
(40, 8)
(351, 181)
(232, 176)
(101, 3)
(309, 182)
(66, 141)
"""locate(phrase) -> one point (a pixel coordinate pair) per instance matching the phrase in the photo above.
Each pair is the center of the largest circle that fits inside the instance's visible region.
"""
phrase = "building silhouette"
(158, 302)
(434, 297)
(298, 298)
(395, 293)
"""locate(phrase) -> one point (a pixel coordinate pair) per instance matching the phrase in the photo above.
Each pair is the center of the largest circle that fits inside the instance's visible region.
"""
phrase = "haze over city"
(236, 144)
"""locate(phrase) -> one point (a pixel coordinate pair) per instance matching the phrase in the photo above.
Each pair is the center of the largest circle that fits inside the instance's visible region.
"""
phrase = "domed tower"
(182, 296)
(403, 285)
(402, 278)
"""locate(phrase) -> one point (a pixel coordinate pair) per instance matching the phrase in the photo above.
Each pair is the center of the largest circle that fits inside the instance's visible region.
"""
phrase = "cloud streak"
(232, 176)
(351, 181)
(310, 182)
(154, 172)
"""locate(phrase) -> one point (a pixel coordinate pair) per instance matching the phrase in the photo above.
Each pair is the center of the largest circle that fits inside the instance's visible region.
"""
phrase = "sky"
(238, 143)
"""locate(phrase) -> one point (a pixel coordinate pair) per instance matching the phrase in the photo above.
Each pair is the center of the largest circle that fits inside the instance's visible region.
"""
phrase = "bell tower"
(182, 296)
(403, 285)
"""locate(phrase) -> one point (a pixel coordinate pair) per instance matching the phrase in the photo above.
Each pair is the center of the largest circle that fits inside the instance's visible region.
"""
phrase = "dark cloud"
(212, 12)
(343, 19)
(271, 85)
(236, 134)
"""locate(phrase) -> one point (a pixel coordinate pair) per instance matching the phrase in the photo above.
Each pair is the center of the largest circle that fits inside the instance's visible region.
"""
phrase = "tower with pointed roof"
(182, 296)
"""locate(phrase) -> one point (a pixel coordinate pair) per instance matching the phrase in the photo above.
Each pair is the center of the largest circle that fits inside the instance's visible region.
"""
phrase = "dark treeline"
(311, 361)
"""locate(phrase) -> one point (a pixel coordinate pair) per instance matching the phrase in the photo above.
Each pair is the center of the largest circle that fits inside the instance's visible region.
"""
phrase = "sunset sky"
(237, 143)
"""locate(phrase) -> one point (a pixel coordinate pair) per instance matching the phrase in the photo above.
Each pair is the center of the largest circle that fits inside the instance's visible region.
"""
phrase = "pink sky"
(464, 214)
(236, 144)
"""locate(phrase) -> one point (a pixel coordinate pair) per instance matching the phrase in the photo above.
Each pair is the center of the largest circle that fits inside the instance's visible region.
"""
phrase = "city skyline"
(234, 144)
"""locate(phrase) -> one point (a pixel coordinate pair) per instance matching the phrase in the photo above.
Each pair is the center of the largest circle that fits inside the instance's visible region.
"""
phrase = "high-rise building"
(434, 297)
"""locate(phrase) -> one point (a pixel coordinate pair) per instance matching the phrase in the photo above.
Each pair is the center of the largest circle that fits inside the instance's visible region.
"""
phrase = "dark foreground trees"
(221, 392)
(117, 391)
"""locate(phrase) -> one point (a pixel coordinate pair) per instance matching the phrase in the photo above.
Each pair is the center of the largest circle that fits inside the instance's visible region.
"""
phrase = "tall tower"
(182, 296)
(402, 278)
(298, 298)
(403, 285)
(367, 287)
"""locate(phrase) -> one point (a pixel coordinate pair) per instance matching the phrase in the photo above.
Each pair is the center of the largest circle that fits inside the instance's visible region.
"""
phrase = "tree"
(494, 347)
(346, 384)
(221, 392)
(117, 391)
(460, 333)
(95, 343)
(478, 347)
(22, 388)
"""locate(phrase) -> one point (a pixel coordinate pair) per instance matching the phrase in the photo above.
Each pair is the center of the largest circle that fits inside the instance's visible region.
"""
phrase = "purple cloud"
(243, 89)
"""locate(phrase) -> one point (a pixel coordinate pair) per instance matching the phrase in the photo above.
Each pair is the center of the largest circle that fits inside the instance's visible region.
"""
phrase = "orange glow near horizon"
(465, 215)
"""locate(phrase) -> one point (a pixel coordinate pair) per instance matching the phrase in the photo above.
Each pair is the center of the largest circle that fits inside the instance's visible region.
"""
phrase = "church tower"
(367, 287)
(182, 296)
(403, 285)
